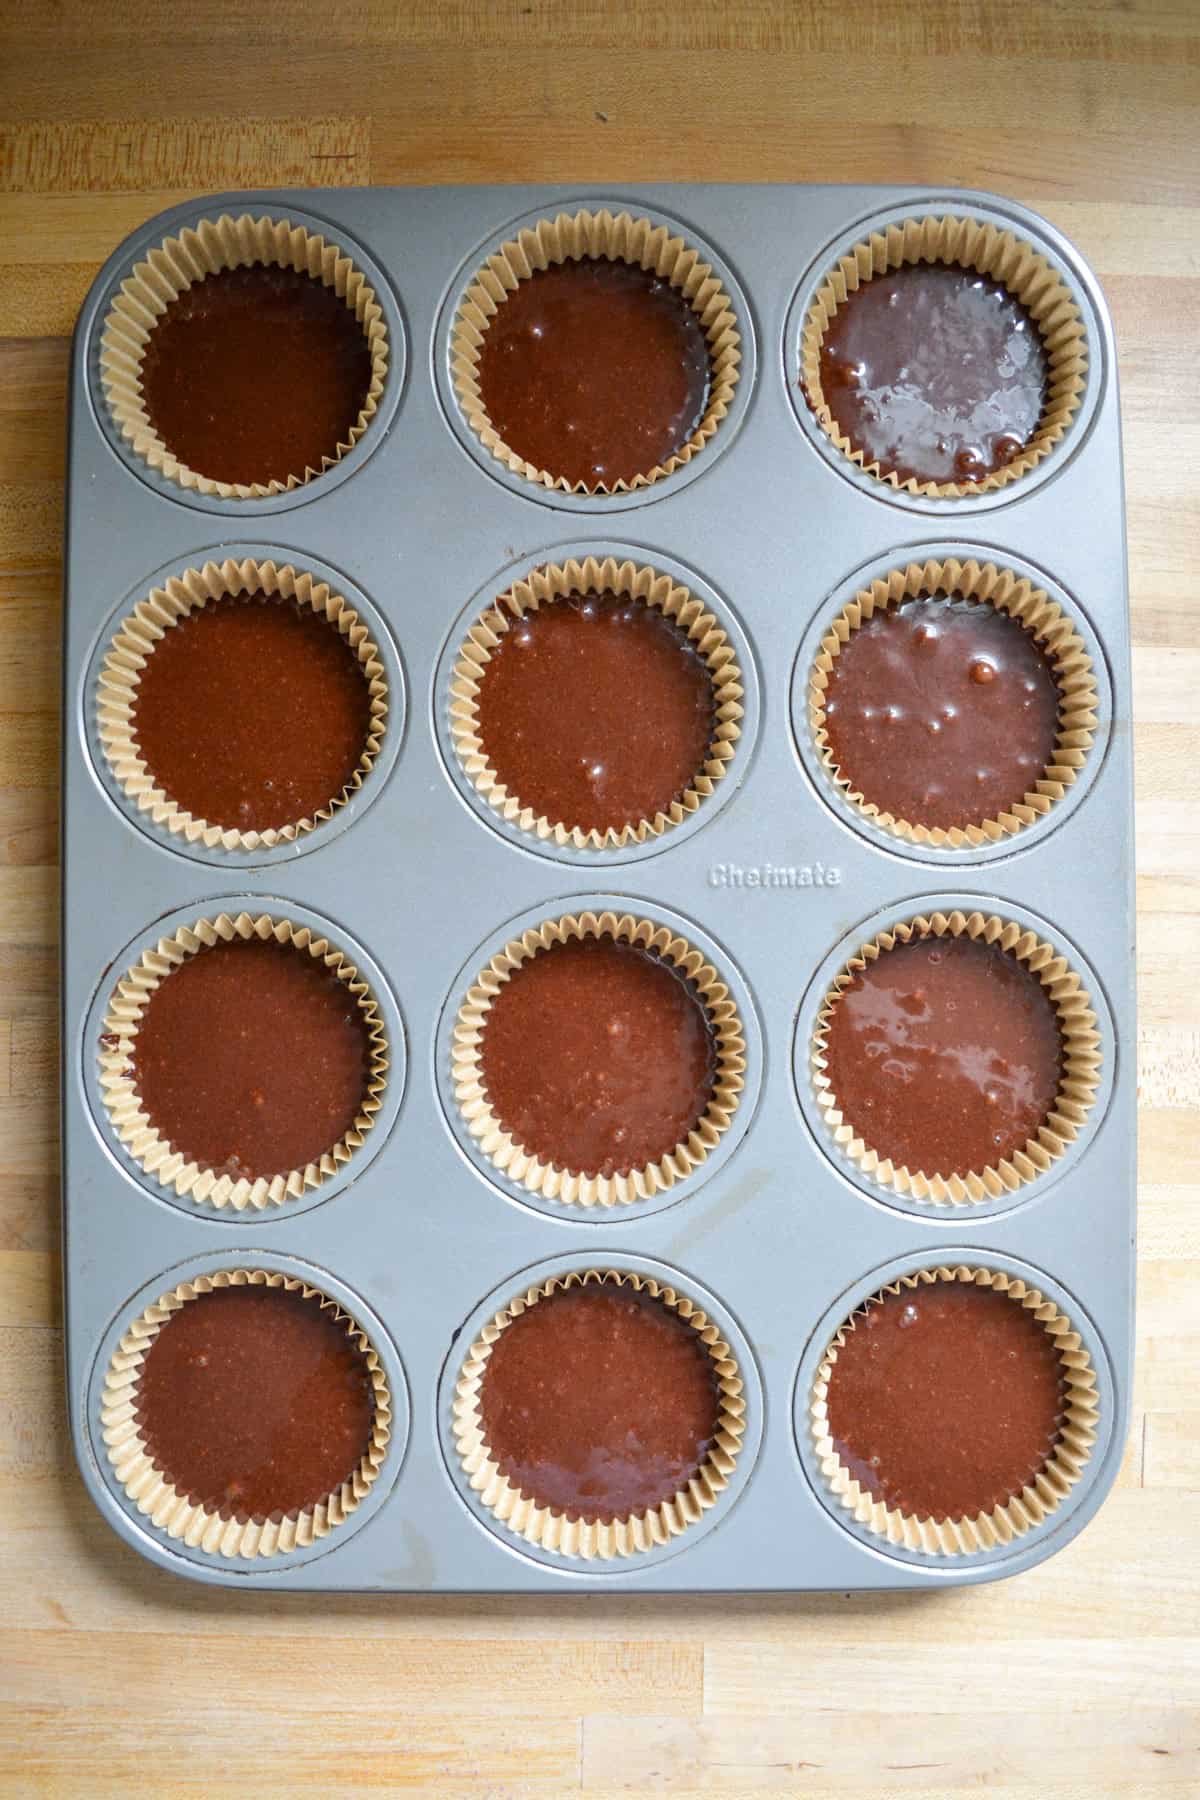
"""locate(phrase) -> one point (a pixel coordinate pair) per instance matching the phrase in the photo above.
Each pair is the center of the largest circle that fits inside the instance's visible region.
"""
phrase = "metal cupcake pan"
(234, 861)
(389, 1011)
(774, 878)
(580, 859)
(694, 235)
(963, 1216)
(1062, 1522)
(726, 1147)
(121, 266)
(877, 217)
(946, 857)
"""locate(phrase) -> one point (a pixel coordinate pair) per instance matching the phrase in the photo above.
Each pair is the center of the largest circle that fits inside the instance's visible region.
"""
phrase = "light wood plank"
(817, 1750)
(29, 744)
(62, 1750)
(1094, 1789)
(1168, 1148)
(28, 981)
(28, 903)
(50, 231)
(1169, 1222)
(1007, 1675)
(28, 829)
(61, 157)
(1105, 29)
(31, 523)
(1083, 147)
(424, 1676)
(29, 1207)
(43, 299)
(30, 1279)
(33, 385)
(32, 1059)
(1142, 241)
(1172, 1453)
(1169, 1068)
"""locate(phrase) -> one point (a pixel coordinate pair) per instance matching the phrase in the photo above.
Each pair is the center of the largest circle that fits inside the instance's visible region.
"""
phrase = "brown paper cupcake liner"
(1054, 632)
(179, 262)
(134, 643)
(1036, 1502)
(187, 1520)
(550, 582)
(549, 1180)
(1078, 1083)
(1004, 257)
(172, 1168)
(552, 1530)
(620, 239)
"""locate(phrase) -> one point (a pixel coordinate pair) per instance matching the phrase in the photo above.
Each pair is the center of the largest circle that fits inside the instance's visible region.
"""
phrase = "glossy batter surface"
(252, 712)
(937, 373)
(252, 1058)
(255, 1402)
(594, 370)
(942, 712)
(945, 1401)
(255, 374)
(596, 711)
(598, 1056)
(599, 1402)
(944, 1054)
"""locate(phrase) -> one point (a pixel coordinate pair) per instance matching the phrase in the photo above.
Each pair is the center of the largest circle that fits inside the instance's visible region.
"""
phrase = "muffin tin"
(777, 1234)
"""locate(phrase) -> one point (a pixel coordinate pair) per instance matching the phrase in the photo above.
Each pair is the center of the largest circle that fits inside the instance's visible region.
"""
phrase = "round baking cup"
(150, 1488)
(549, 1181)
(617, 238)
(1036, 1502)
(1004, 256)
(626, 579)
(1079, 1081)
(172, 1169)
(1056, 634)
(205, 248)
(551, 1531)
(135, 641)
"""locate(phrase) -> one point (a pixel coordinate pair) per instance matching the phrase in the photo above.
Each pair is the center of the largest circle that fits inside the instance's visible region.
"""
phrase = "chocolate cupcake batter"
(252, 712)
(594, 370)
(253, 375)
(251, 1058)
(599, 1402)
(255, 1402)
(946, 1400)
(944, 1054)
(942, 711)
(596, 711)
(598, 1056)
(935, 372)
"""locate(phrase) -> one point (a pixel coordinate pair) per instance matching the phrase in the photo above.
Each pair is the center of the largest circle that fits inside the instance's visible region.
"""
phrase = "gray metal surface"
(418, 1239)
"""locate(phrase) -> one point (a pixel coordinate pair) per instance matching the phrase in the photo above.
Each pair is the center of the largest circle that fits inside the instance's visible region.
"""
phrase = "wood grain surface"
(1083, 1677)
